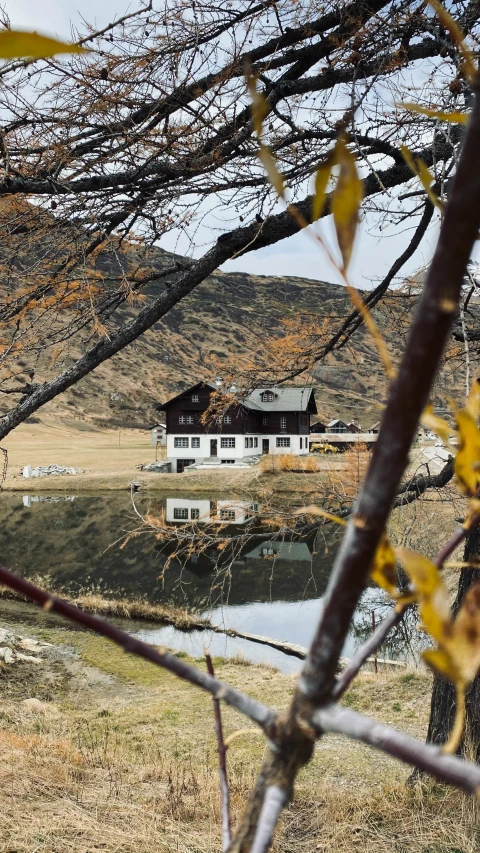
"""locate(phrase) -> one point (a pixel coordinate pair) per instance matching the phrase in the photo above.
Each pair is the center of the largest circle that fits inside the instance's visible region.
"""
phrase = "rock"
(20, 656)
(48, 470)
(7, 655)
(6, 638)
(160, 467)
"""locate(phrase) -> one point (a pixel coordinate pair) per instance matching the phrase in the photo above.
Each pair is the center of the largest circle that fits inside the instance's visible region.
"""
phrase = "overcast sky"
(296, 256)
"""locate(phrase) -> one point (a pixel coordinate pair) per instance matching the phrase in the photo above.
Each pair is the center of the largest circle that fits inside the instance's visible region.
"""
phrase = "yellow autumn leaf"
(270, 166)
(467, 460)
(420, 169)
(384, 571)
(259, 105)
(473, 400)
(465, 644)
(431, 592)
(457, 36)
(322, 177)
(311, 509)
(457, 655)
(346, 200)
(453, 116)
(439, 425)
(15, 44)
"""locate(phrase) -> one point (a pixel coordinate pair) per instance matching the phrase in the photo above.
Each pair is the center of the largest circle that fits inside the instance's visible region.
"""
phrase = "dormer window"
(268, 396)
(194, 398)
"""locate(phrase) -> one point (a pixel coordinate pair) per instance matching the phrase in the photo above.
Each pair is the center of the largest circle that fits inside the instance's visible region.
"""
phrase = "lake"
(259, 584)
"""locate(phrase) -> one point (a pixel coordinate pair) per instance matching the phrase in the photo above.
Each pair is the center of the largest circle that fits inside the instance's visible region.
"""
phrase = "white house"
(268, 420)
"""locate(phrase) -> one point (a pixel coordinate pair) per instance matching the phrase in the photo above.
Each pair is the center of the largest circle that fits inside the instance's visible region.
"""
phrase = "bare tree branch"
(222, 764)
(431, 759)
(274, 802)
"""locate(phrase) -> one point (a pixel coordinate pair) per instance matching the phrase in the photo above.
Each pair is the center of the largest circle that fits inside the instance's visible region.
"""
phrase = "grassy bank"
(120, 756)
(124, 608)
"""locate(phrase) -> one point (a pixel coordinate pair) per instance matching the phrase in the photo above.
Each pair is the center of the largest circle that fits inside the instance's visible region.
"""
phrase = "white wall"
(242, 509)
(237, 452)
(203, 507)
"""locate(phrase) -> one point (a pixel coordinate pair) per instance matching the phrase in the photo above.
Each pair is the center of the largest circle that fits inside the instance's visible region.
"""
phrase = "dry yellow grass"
(110, 457)
(127, 762)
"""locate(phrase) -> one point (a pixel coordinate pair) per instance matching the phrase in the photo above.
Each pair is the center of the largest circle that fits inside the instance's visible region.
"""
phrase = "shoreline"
(248, 483)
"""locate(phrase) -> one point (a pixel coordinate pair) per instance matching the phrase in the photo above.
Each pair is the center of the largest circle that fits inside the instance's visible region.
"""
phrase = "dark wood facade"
(184, 413)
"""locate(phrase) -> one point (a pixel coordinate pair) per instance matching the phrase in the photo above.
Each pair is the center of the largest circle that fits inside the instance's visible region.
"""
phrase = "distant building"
(375, 427)
(353, 427)
(159, 434)
(318, 427)
(337, 426)
(269, 420)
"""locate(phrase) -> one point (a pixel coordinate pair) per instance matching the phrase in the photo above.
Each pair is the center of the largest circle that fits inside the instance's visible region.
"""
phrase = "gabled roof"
(337, 421)
(294, 399)
(209, 385)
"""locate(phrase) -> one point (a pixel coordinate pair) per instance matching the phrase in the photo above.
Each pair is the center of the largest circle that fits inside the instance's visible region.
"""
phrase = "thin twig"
(222, 764)
(431, 759)
(261, 715)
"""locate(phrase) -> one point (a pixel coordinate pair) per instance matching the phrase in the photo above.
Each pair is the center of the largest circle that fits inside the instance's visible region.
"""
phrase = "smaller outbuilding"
(159, 435)
(318, 427)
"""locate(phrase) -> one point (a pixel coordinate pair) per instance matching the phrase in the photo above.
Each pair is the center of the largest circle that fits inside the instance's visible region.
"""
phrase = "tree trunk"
(442, 710)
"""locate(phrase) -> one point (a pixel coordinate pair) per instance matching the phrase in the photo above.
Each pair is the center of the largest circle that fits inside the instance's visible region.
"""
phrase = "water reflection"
(258, 582)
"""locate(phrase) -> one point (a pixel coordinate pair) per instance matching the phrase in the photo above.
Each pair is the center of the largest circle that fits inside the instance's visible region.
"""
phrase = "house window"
(255, 442)
(283, 423)
(227, 515)
(194, 514)
(180, 442)
(194, 398)
(180, 514)
(181, 419)
(265, 420)
(246, 442)
(250, 442)
(227, 419)
(190, 419)
(227, 442)
(228, 461)
(195, 442)
(301, 443)
(218, 420)
(283, 442)
(268, 396)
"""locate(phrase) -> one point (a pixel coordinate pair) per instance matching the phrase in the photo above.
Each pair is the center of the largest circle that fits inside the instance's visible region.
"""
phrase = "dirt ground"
(101, 751)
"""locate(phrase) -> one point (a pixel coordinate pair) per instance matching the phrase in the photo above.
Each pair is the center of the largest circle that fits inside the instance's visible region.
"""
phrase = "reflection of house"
(159, 434)
(269, 420)
(183, 509)
(210, 512)
(318, 427)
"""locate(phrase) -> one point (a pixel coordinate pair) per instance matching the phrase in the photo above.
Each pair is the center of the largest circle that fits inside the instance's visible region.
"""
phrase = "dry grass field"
(116, 755)
(109, 459)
